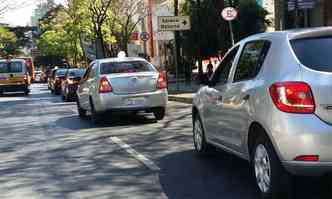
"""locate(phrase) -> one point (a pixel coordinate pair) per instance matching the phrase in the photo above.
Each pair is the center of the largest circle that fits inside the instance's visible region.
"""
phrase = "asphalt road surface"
(46, 151)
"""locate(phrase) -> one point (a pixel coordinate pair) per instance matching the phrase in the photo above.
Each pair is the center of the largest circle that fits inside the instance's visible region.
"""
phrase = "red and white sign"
(229, 13)
(134, 36)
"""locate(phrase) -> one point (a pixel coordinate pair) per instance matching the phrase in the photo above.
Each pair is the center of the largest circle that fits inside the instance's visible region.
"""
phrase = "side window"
(222, 73)
(251, 60)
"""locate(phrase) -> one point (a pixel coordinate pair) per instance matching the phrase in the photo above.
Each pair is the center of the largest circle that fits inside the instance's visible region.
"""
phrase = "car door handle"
(246, 97)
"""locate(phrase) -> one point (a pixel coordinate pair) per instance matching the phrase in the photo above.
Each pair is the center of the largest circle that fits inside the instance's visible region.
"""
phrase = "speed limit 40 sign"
(229, 13)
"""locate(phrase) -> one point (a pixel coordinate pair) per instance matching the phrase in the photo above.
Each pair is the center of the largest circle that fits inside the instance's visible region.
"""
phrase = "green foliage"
(252, 19)
(210, 33)
(7, 42)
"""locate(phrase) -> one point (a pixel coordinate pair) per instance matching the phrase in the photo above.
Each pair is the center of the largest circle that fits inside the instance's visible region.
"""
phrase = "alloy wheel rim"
(262, 168)
(198, 135)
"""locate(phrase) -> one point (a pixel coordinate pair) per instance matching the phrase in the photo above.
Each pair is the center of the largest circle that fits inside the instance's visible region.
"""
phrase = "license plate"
(135, 101)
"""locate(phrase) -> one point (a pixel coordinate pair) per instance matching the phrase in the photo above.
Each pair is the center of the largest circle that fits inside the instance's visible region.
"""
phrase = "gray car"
(270, 103)
(122, 85)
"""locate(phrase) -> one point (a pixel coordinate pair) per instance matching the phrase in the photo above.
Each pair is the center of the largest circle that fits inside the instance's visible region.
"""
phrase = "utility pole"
(200, 61)
(296, 12)
(176, 45)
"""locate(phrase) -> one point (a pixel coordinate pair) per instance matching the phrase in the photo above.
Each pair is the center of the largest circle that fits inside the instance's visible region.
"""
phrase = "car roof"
(124, 59)
(292, 34)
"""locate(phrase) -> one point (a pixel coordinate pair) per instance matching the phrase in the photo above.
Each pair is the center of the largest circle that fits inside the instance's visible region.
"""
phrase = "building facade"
(320, 14)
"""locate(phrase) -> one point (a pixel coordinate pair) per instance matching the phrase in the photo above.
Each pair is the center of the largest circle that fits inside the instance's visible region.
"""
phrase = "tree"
(7, 42)
(126, 14)
(208, 38)
(98, 11)
(41, 11)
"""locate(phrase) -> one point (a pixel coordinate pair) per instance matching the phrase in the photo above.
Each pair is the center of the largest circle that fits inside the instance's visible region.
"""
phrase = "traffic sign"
(177, 23)
(229, 13)
(145, 36)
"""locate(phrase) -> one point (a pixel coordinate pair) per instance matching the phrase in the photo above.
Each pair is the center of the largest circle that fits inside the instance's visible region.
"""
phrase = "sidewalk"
(183, 92)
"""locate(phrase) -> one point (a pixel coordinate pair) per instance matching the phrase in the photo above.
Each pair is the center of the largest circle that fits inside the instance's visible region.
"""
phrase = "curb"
(186, 100)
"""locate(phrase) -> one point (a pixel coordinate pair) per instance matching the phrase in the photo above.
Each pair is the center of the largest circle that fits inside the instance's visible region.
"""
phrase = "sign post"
(145, 36)
(229, 14)
(174, 23)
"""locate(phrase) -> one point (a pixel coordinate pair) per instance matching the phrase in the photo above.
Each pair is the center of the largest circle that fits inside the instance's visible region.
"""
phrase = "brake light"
(307, 158)
(162, 81)
(105, 86)
(293, 97)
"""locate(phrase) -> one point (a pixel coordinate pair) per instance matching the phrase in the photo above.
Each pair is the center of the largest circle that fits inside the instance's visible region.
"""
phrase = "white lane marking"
(148, 163)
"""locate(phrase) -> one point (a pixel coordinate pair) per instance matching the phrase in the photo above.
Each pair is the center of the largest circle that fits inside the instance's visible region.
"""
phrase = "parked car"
(70, 84)
(14, 76)
(269, 102)
(55, 81)
(122, 84)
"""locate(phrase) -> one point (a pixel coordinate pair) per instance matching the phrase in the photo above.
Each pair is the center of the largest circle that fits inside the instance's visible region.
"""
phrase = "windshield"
(126, 67)
(60, 72)
(11, 67)
(314, 53)
(76, 72)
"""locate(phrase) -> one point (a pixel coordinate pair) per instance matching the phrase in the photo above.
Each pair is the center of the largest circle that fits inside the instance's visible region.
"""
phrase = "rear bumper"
(14, 88)
(308, 168)
(110, 101)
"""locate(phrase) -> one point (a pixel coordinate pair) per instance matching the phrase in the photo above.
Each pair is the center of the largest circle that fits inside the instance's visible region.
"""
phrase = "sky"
(21, 17)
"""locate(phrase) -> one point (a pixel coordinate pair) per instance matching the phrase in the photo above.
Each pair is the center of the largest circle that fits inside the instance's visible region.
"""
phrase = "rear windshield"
(76, 72)
(11, 67)
(314, 53)
(126, 67)
(60, 72)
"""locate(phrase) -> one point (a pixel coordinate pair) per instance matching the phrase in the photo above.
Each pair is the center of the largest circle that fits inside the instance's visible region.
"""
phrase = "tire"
(159, 113)
(272, 180)
(81, 111)
(201, 146)
(95, 117)
(26, 92)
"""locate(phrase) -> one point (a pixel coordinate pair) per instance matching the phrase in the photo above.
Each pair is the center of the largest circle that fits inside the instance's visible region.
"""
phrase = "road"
(48, 152)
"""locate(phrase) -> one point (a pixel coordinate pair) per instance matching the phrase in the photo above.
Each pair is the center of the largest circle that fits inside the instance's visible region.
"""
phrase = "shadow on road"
(221, 175)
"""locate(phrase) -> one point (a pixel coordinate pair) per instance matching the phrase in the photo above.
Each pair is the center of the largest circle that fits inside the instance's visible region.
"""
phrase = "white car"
(122, 84)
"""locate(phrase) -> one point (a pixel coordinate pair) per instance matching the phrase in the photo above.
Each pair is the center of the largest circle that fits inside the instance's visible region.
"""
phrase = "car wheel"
(81, 111)
(272, 179)
(200, 143)
(26, 92)
(159, 113)
(95, 117)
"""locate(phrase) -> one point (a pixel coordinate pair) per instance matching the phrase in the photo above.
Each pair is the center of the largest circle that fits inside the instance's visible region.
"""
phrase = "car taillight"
(293, 97)
(104, 86)
(162, 81)
(307, 158)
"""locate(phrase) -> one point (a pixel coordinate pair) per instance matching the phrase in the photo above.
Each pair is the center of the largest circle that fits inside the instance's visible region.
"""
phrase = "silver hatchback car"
(122, 85)
(270, 103)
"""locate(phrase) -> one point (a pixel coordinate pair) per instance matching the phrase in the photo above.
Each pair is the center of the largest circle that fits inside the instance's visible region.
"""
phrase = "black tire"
(95, 117)
(81, 111)
(202, 147)
(280, 179)
(26, 92)
(159, 113)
